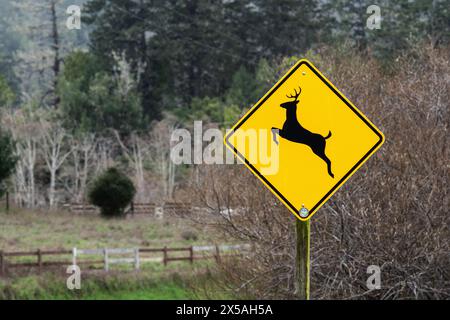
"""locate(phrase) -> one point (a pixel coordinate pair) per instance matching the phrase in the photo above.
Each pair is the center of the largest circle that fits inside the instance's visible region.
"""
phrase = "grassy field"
(142, 285)
(24, 230)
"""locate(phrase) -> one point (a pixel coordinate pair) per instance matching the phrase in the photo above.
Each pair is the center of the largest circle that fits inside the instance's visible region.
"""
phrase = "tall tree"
(55, 153)
(351, 18)
(288, 27)
(39, 60)
(9, 43)
(7, 158)
(119, 27)
(404, 23)
(93, 100)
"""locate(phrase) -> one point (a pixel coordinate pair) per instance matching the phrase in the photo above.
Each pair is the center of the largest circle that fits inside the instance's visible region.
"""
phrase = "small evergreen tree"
(7, 158)
(112, 192)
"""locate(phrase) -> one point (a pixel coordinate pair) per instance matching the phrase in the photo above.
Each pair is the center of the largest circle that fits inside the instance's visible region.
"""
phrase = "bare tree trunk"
(83, 153)
(76, 170)
(19, 181)
(24, 184)
(88, 148)
(30, 158)
(24, 131)
(171, 179)
(55, 47)
(53, 141)
(136, 157)
(160, 144)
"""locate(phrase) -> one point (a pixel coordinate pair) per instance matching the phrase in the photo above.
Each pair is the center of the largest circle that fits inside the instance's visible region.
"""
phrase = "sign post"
(303, 139)
(302, 256)
(7, 201)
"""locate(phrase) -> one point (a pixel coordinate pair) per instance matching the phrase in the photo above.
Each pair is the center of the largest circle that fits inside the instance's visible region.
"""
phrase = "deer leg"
(325, 158)
(275, 131)
(321, 155)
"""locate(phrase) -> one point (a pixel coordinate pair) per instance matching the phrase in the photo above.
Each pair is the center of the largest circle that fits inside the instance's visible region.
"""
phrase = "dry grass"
(26, 230)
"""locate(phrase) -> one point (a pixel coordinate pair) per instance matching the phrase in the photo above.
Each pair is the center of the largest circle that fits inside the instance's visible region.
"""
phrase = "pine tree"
(289, 27)
(404, 23)
(126, 27)
(39, 60)
(9, 43)
(7, 158)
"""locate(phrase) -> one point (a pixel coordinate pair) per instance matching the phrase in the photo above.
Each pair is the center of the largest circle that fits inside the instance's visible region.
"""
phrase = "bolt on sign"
(304, 139)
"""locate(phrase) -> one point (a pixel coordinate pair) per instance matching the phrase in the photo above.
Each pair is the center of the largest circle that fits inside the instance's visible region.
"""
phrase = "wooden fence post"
(165, 256)
(136, 259)
(7, 201)
(2, 263)
(39, 259)
(191, 254)
(302, 262)
(217, 254)
(105, 259)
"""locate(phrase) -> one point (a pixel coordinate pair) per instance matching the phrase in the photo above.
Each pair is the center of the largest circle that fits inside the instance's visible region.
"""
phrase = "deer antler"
(296, 94)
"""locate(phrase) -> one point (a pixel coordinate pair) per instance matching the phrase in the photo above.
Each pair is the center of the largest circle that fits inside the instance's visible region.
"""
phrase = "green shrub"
(112, 192)
(7, 158)
(189, 235)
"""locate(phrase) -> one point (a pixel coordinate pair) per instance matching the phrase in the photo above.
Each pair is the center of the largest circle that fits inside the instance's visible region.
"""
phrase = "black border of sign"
(312, 210)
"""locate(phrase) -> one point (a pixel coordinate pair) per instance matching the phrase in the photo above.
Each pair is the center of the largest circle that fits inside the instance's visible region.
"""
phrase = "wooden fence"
(136, 256)
(135, 208)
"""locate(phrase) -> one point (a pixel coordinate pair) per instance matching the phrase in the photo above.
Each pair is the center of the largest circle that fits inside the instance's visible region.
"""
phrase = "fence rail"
(134, 256)
(135, 208)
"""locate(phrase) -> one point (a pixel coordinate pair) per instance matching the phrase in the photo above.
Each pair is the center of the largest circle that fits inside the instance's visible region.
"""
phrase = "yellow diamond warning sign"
(304, 139)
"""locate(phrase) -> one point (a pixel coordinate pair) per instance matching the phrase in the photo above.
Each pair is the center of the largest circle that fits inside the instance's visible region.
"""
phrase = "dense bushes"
(112, 192)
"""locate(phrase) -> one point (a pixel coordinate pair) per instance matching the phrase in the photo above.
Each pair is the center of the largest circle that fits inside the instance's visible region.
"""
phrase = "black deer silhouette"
(293, 131)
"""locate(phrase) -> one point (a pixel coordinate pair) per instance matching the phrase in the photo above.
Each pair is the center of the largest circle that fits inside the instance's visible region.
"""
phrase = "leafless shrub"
(392, 213)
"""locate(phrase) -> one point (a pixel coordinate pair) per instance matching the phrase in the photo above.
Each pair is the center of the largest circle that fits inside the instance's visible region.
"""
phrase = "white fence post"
(106, 260)
(136, 259)
(74, 256)
(159, 212)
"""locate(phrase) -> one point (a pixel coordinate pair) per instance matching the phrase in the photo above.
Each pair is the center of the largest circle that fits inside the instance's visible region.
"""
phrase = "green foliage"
(404, 23)
(142, 286)
(184, 52)
(7, 158)
(7, 96)
(231, 114)
(289, 26)
(244, 90)
(194, 48)
(122, 26)
(208, 110)
(212, 58)
(91, 100)
(112, 192)
(9, 42)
